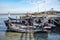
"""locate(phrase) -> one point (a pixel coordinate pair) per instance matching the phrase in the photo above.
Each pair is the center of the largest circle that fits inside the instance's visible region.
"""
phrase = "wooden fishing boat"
(19, 25)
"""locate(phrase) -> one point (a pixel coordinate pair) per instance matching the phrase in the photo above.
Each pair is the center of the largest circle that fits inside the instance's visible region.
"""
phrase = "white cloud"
(21, 6)
(48, 4)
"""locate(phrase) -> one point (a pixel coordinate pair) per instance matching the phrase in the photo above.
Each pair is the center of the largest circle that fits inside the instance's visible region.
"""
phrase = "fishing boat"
(13, 25)
(28, 24)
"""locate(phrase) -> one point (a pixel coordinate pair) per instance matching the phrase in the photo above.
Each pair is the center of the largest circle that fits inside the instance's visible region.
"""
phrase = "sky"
(24, 6)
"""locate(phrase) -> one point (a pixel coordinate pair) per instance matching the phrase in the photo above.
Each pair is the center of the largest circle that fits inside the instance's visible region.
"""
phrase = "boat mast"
(52, 13)
(37, 4)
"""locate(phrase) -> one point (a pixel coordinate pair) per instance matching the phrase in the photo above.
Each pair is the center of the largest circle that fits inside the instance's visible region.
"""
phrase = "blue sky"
(23, 6)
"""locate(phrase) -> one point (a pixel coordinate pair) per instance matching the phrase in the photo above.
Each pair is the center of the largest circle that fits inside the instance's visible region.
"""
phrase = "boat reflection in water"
(12, 36)
(26, 36)
(41, 36)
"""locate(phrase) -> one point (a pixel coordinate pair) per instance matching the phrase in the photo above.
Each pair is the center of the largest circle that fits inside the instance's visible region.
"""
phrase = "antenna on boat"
(8, 14)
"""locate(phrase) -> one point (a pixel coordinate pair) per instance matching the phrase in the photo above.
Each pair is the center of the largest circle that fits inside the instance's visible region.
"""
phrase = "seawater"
(24, 36)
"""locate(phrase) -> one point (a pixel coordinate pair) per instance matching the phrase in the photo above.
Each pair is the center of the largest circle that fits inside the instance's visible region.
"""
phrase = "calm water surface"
(24, 36)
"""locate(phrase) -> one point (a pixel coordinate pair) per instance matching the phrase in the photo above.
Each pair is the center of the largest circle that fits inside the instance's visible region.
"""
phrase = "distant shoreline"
(32, 13)
(12, 13)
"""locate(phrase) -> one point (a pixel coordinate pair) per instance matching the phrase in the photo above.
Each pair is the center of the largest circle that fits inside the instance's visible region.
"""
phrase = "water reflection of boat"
(28, 24)
(41, 36)
(19, 36)
(12, 36)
